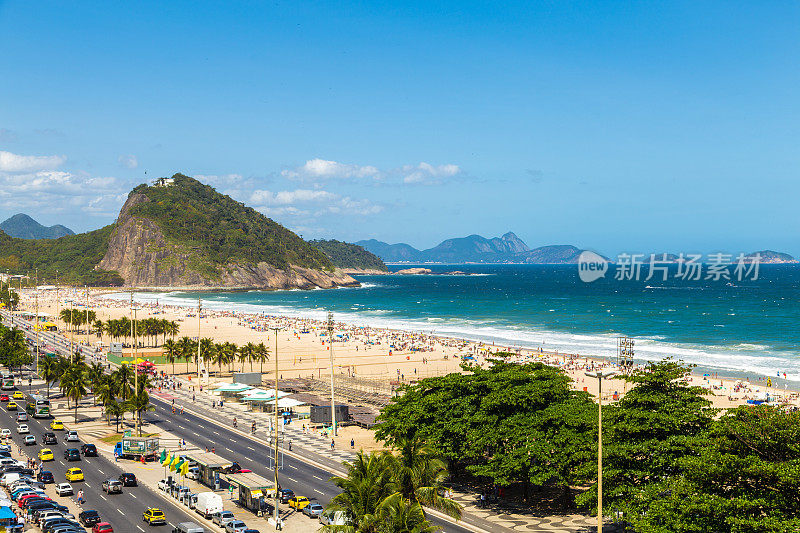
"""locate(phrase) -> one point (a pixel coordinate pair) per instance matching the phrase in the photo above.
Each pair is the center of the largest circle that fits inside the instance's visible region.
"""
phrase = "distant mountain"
(769, 256)
(21, 226)
(391, 253)
(349, 256)
(474, 249)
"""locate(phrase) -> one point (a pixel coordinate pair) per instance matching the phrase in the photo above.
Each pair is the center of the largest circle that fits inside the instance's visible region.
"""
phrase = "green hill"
(219, 229)
(346, 255)
(71, 258)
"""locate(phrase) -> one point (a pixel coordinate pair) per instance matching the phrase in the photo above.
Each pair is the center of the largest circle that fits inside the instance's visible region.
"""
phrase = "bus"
(38, 407)
(7, 380)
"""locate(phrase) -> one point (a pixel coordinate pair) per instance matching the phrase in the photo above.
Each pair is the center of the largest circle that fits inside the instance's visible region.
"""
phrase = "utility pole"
(135, 357)
(58, 302)
(87, 314)
(330, 348)
(600, 375)
(277, 496)
(37, 320)
(199, 308)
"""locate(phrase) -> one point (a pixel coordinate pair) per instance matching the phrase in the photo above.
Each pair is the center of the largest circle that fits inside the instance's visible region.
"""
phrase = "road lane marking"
(120, 511)
(251, 448)
(293, 480)
(319, 478)
(318, 491)
(139, 528)
(102, 496)
(101, 471)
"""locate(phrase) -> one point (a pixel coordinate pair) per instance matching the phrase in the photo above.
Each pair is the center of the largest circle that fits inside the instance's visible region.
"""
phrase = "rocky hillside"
(349, 257)
(182, 233)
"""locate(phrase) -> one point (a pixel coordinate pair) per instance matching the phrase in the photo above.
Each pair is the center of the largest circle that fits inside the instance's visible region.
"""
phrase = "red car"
(102, 527)
(4, 397)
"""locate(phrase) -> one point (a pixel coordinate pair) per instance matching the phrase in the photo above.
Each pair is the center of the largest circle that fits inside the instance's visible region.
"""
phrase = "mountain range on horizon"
(508, 249)
(22, 226)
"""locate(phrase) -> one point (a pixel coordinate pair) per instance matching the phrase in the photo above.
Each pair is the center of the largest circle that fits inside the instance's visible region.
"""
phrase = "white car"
(64, 489)
(193, 473)
(5, 432)
(23, 428)
(30, 440)
(163, 485)
(72, 436)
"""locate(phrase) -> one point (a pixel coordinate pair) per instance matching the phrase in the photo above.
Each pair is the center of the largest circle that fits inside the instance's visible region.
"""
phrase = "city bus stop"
(210, 466)
(254, 490)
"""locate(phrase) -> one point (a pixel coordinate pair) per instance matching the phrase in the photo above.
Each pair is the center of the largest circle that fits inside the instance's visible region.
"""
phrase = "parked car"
(286, 495)
(102, 527)
(112, 486)
(298, 502)
(64, 489)
(72, 454)
(235, 526)
(333, 518)
(154, 516)
(89, 517)
(49, 438)
(45, 476)
(30, 440)
(193, 473)
(128, 480)
(72, 436)
(313, 510)
(222, 517)
(164, 485)
(89, 450)
(23, 428)
(5, 432)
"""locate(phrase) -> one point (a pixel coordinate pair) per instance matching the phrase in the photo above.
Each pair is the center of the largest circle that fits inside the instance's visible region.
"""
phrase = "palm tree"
(247, 353)
(140, 402)
(95, 374)
(48, 371)
(187, 350)
(403, 516)
(122, 380)
(262, 355)
(115, 409)
(74, 384)
(105, 393)
(368, 483)
(206, 351)
(171, 351)
(419, 472)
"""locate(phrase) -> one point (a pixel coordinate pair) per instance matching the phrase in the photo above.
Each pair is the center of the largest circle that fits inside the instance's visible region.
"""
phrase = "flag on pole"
(166, 460)
(163, 456)
(173, 463)
(179, 465)
(185, 468)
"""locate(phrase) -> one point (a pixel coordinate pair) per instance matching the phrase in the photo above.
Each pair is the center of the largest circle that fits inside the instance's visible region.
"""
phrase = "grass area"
(157, 359)
(116, 437)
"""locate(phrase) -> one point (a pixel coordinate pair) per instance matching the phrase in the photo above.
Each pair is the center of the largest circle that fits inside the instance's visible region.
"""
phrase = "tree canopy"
(347, 255)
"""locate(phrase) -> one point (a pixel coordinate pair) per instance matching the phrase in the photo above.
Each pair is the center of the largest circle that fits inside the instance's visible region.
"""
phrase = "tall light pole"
(87, 314)
(600, 375)
(71, 353)
(277, 496)
(330, 348)
(199, 308)
(134, 332)
(36, 294)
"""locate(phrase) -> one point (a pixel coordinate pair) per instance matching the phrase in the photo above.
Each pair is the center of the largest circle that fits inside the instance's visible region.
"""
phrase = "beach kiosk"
(210, 466)
(254, 490)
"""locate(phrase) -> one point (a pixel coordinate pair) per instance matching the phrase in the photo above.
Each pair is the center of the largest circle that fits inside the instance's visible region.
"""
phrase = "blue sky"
(620, 126)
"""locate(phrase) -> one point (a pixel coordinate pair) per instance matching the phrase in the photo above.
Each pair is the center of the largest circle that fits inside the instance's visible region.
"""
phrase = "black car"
(89, 450)
(45, 476)
(286, 495)
(128, 480)
(72, 454)
(89, 518)
(50, 438)
(234, 468)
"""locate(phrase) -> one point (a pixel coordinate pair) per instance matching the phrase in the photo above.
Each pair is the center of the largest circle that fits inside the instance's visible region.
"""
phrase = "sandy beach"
(383, 355)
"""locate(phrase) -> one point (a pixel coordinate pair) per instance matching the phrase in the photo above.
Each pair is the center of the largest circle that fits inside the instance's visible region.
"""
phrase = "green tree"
(401, 515)
(48, 370)
(139, 402)
(115, 409)
(96, 376)
(171, 351)
(74, 384)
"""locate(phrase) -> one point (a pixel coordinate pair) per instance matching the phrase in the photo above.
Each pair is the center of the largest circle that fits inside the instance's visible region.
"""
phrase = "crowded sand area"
(385, 355)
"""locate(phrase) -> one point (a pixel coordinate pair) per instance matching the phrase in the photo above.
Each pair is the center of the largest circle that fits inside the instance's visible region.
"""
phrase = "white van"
(188, 527)
(208, 503)
(9, 478)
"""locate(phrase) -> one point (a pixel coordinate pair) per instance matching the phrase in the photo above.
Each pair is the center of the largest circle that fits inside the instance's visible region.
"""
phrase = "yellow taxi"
(46, 454)
(57, 425)
(74, 474)
(153, 516)
(18, 395)
(298, 502)
(12, 406)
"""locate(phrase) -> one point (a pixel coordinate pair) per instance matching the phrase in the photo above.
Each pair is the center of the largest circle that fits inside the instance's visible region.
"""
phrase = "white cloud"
(427, 173)
(322, 169)
(306, 202)
(10, 162)
(128, 161)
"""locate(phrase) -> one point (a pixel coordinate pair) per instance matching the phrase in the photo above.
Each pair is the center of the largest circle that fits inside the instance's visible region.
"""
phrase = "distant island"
(510, 249)
(23, 226)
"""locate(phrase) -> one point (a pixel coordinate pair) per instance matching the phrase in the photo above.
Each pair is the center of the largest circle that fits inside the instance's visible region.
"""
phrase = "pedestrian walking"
(352, 444)
(333, 444)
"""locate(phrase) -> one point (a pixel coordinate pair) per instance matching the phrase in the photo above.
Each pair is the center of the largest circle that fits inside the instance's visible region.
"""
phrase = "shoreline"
(413, 354)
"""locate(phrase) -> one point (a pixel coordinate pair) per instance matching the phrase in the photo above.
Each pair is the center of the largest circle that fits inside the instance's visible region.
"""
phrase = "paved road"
(124, 510)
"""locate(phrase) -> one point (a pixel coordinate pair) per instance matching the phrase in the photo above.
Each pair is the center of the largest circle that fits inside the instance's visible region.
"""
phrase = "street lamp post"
(71, 354)
(600, 375)
(277, 495)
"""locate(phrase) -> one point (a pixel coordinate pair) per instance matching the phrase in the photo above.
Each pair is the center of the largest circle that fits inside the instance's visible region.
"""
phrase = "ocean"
(742, 328)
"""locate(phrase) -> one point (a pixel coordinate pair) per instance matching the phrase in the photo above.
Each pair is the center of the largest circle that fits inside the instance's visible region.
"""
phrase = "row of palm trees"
(120, 328)
(114, 391)
(215, 353)
(385, 492)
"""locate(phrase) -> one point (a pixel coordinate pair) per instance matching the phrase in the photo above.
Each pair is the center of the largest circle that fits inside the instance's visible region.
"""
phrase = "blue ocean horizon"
(744, 328)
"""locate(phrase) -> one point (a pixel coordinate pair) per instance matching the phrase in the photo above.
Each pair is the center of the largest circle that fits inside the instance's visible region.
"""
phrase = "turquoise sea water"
(735, 327)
